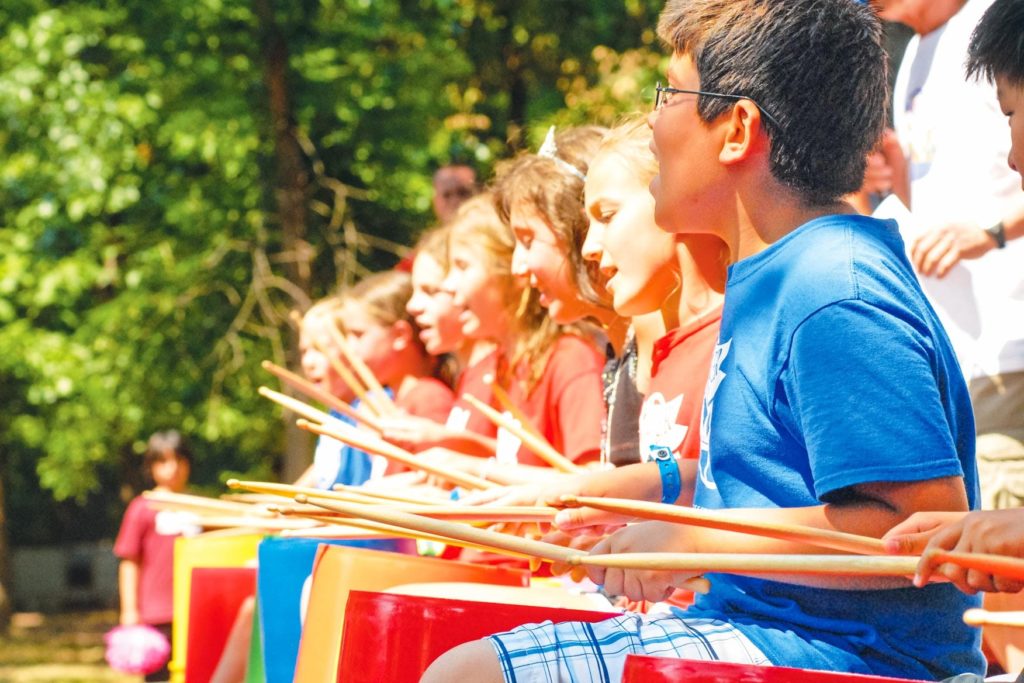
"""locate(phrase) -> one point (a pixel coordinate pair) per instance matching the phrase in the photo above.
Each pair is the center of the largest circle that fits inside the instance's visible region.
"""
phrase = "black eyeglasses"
(662, 95)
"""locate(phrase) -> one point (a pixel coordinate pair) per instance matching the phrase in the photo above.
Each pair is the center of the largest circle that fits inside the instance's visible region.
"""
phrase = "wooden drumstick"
(462, 532)
(1010, 567)
(313, 391)
(184, 501)
(298, 407)
(351, 381)
(733, 563)
(391, 496)
(375, 391)
(347, 434)
(290, 491)
(509, 405)
(824, 538)
(983, 617)
(542, 448)
(339, 531)
(453, 513)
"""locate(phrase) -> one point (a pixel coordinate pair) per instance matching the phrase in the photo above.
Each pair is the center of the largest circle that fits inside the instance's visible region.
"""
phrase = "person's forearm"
(1013, 222)
(128, 588)
(639, 481)
(469, 443)
(864, 517)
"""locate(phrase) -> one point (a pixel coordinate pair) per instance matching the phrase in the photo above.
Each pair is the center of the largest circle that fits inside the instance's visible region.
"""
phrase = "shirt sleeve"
(580, 403)
(429, 398)
(861, 389)
(133, 527)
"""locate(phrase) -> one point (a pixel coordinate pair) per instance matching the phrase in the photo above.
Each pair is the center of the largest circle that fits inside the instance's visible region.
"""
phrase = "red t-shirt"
(681, 360)
(147, 537)
(429, 397)
(464, 417)
(567, 403)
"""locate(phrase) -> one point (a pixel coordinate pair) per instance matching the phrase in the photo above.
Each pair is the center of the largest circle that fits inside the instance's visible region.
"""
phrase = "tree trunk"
(291, 189)
(5, 573)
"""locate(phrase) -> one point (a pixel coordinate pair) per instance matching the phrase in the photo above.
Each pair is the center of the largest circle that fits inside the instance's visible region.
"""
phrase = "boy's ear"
(742, 133)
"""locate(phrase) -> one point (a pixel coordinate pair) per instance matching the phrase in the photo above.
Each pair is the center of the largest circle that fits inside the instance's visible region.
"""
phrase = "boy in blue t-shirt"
(834, 399)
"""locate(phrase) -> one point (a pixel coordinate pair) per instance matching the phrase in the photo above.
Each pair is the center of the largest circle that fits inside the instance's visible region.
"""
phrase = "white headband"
(549, 150)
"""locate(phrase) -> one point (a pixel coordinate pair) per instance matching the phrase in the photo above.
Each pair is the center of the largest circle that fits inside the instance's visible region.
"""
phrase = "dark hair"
(818, 67)
(161, 442)
(997, 44)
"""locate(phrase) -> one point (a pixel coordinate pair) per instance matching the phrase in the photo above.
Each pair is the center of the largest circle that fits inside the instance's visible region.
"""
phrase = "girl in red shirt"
(468, 361)
(381, 332)
(551, 372)
(540, 197)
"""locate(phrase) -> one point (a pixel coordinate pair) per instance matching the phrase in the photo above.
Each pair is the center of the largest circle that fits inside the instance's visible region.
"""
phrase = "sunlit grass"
(61, 648)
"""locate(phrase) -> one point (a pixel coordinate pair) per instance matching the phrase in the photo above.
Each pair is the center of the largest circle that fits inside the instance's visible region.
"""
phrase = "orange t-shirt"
(566, 405)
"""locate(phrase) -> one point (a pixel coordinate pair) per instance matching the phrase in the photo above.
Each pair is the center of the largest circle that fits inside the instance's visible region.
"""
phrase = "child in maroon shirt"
(145, 543)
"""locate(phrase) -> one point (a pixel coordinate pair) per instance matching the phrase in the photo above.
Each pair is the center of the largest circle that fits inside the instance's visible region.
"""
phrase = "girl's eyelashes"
(523, 236)
(602, 215)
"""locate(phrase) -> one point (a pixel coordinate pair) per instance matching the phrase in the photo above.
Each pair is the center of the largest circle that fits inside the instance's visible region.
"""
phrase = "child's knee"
(473, 661)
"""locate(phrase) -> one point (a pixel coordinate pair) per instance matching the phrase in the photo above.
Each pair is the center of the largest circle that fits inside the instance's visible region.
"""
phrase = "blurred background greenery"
(176, 177)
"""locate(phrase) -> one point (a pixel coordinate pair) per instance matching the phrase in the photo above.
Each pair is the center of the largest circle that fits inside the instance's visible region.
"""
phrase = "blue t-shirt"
(832, 370)
(337, 463)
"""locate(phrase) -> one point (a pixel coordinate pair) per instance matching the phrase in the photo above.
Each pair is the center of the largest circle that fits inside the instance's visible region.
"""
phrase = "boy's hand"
(998, 532)
(583, 543)
(588, 521)
(410, 432)
(638, 584)
(911, 536)
(538, 493)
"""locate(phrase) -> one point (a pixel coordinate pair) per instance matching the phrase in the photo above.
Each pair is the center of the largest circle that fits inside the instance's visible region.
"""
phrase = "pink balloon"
(137, 649)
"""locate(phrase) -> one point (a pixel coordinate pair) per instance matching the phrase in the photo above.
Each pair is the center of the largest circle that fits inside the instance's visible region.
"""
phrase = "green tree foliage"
(144, 272)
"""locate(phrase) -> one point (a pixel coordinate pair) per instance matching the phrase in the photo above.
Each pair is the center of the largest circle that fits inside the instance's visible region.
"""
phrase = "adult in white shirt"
(964, 201)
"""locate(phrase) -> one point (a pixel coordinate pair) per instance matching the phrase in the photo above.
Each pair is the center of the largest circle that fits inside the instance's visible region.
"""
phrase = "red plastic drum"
(217, 593)
(642, 669)
(392, 637)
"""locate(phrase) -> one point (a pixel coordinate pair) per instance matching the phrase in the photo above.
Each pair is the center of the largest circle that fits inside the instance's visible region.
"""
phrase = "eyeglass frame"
(659, 100)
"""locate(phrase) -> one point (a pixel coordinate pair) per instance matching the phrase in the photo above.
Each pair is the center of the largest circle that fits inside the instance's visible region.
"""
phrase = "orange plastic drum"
(338, 570)
(392, 637)
(641, 669)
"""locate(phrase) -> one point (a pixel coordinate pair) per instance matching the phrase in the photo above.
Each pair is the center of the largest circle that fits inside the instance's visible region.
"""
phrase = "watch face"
(660, 453)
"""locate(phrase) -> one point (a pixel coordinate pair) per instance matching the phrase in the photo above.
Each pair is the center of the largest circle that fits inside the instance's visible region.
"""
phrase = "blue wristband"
(668, 466)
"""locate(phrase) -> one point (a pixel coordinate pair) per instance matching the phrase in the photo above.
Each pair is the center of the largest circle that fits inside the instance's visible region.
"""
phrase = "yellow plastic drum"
(205, 550)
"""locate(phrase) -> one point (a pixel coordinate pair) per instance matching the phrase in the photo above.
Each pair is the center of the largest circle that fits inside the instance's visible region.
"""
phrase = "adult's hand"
(936, 251)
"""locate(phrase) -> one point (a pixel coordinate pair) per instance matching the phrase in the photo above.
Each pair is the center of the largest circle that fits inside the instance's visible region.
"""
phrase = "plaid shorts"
(578, 652)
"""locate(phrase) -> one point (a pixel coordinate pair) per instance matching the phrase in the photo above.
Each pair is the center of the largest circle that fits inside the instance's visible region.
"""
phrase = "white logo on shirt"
(707, 409)
(458, 419)
(507, 450)
(177, 523)
(658, 424)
